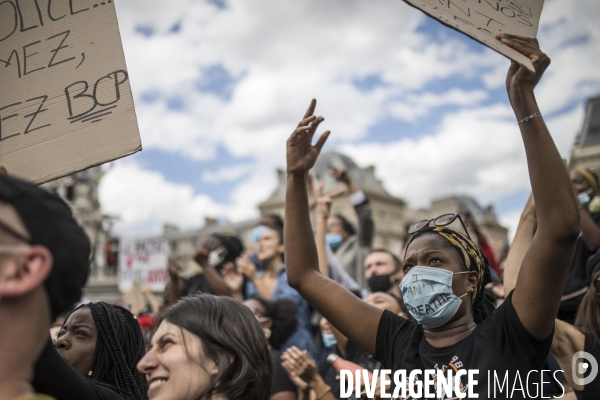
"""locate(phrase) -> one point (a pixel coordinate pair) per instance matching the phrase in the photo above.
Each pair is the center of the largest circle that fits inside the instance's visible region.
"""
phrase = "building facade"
(80, 192)
(586, 149)
(391, 217)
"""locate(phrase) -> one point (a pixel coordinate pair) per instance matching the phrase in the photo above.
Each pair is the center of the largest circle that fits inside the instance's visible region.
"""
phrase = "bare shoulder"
(567, 340)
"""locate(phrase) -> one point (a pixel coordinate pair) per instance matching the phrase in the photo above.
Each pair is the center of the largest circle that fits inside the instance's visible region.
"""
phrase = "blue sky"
(220, 84)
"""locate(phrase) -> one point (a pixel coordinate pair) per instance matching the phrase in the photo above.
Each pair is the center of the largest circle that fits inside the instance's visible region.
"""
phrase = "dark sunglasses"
(442, 220)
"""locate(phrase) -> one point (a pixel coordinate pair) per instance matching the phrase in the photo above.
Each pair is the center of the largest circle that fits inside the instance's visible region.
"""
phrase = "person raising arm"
(445, 272)
(300, 250)
(583, 335)
(537, 292)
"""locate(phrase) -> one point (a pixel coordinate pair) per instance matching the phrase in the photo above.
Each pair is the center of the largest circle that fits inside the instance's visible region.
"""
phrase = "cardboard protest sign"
(484, 19)
(65, 99)
(143, 261)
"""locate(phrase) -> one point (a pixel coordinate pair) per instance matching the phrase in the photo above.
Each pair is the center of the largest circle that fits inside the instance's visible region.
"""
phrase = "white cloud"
(227, 174)
(253, 190)
(283, 53)
(475, 151)
(144, 201)
(286, 52)
(415, 106)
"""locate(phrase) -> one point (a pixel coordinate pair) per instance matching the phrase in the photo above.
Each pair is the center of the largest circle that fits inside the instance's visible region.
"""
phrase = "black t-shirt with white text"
(500, 347)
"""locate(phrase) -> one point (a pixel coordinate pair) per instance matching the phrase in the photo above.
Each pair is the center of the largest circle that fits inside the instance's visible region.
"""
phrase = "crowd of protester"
(278, 323)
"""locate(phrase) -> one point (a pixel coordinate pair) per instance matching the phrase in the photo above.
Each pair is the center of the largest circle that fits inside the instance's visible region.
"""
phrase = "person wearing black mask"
(383, 272)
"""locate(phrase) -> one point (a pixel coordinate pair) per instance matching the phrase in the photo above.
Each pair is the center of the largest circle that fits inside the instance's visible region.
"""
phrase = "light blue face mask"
(258, 232)
(328, 339)
(584, 197)
(333, 240)
(427, 293)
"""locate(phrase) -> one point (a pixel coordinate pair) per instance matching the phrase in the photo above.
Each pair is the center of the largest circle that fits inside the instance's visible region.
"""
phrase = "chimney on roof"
(209, 221)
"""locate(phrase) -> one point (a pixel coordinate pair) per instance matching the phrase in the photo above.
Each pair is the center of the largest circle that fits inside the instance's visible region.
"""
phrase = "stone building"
(586, 149)
(390, 213)
(496, 234)
(80, 192)
(182, 244)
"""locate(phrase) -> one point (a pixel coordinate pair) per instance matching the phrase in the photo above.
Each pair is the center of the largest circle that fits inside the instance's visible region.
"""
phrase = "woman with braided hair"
(100, 345)
(456, 328)
(119, 347)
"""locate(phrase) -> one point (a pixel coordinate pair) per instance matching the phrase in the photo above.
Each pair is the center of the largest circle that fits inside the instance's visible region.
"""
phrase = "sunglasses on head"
(442, 220)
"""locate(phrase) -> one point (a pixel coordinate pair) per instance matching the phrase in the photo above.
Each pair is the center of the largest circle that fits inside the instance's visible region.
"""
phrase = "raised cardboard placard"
(65, 99)
(144, 261)
(484, 19)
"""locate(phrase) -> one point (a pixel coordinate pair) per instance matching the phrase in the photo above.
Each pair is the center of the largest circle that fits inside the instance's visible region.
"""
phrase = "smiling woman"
(208, 347)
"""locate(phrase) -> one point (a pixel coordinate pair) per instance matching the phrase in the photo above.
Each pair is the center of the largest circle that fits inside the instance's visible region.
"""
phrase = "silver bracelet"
(527, 119)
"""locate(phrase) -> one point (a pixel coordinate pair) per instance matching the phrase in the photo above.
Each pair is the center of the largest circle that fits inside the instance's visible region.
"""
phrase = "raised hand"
(301, 154)
(174, 268)
(233, 279)
(300, 384)
(203, 249)
(324, 203)
(247, 267)
(340, 174)
(314, 190)
(519, 77)
(301, 364)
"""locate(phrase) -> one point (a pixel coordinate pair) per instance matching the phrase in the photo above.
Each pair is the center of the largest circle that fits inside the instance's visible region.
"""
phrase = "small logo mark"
(581, 363)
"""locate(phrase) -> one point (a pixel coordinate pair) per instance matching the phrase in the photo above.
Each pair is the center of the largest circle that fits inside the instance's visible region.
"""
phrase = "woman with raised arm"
(583, 335)
(585, 185)
(445, 272)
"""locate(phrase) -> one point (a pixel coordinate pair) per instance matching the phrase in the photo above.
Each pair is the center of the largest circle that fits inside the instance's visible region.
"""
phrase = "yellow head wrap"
(469, 252)
(589, 177)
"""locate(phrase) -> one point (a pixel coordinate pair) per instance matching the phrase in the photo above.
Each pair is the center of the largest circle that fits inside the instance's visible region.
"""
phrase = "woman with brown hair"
(208, 347)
